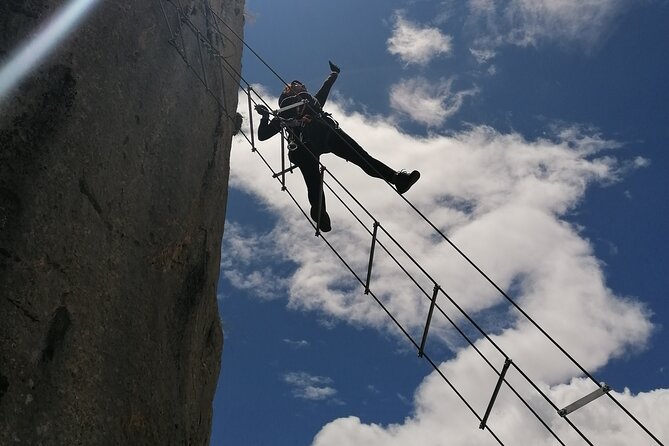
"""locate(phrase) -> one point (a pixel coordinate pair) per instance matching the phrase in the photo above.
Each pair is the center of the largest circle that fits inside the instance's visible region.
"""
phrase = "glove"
(262, 110)
(334, 68)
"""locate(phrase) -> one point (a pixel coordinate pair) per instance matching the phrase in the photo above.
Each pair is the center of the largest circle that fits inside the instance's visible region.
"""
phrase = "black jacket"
(268, 128)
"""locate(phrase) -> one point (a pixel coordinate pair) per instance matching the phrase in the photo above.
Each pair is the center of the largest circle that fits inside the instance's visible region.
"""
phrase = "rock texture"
(114, 163)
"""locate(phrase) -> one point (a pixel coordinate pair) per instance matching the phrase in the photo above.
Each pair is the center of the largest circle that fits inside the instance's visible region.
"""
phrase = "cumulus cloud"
(442, 422)
(249, 262)
(415, 44)
(531, 22)
(310, 387)
(502, 199)
(427, 102)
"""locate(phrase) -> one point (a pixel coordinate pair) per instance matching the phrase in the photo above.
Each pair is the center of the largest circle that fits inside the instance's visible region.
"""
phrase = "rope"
(183, 17)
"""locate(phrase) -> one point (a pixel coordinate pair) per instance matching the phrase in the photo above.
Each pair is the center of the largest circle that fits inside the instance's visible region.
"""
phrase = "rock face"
(114, 162)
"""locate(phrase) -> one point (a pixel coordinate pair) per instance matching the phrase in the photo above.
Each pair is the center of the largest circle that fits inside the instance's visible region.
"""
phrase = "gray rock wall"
(114, 162)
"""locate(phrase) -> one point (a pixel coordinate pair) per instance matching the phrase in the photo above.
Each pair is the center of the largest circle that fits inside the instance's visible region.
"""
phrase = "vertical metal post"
(253, 143)
(283, 160)
(371, 257)
(507, 363)
(199, 48)
(182, 19)
(220, 39)
(320, 202)
(169, 27)
(421, 349)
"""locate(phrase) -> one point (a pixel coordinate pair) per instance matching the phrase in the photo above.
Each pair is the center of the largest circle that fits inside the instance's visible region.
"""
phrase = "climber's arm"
(324, 91)
(267, 128)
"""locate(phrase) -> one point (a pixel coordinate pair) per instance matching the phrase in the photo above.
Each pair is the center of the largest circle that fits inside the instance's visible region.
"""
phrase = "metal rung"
(603, 390)
(371, 257)
(320, 202)
(253, 142)
(286, 170)
(421, 349)
(283, 162)
(507, 363)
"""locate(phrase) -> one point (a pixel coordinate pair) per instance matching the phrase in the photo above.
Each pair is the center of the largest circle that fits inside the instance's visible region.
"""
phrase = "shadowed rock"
(114, 162)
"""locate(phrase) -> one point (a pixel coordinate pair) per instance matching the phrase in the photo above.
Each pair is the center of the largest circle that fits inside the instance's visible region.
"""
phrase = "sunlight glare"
(28, 57)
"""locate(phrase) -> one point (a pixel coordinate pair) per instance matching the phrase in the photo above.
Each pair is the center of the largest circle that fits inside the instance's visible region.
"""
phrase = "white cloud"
(301, 343)
(415, 44)
(501, 199)
(247, 262)
(429, 103)
(531, 22)
(440, 421)
(310, 387)
(482, 55)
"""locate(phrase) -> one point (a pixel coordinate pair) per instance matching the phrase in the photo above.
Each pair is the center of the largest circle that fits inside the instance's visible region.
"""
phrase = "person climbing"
(312, 132)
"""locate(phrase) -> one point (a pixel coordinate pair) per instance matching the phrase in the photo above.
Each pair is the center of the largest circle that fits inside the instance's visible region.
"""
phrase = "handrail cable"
(457, 328)
(486, 277)
(440, 309)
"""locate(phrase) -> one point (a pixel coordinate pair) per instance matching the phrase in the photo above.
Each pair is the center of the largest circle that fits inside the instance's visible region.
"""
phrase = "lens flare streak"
(52, 33)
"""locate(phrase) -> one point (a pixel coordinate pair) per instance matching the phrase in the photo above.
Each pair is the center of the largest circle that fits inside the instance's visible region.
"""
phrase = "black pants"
(325, 137)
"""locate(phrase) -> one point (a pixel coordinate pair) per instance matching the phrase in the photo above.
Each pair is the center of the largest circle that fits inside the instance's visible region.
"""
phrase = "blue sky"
(540, 130)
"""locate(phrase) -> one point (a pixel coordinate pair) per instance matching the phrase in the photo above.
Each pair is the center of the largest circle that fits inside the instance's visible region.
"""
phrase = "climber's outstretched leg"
(342, 145)
(308, 165)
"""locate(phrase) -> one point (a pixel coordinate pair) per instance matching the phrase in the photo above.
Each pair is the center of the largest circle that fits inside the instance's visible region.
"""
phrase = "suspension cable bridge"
(184, 35)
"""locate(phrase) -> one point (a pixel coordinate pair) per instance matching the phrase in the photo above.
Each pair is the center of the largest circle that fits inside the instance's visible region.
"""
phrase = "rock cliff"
(114, 161)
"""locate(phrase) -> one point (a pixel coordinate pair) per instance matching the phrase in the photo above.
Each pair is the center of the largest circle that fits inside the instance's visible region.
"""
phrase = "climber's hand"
(262, 110)
(334, 68)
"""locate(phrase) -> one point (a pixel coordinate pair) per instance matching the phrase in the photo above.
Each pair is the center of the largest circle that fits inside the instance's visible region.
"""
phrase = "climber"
(311, 133)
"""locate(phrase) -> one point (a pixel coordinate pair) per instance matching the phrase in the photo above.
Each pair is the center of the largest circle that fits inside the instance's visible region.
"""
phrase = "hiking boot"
(404, 180)
(325, 219)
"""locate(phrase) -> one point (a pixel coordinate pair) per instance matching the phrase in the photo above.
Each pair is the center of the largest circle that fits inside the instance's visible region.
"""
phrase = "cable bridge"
(201, 48)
